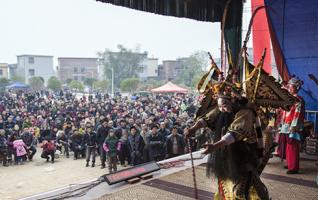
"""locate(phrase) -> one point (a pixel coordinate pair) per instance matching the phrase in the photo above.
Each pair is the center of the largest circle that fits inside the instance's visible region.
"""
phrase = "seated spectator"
(49, 149)
(20, 150)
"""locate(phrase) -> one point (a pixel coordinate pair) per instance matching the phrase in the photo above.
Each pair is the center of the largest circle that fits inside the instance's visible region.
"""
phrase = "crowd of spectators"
(120, 130)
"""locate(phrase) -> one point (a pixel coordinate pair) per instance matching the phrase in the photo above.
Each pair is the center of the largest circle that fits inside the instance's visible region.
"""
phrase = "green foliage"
(18, 79)
(126, 63)
(68, 81)
(101, 85)
(90, 81)
(194, 68)
(4, 82)
(129, 84)
(54, 84)
(36, 82)
(77, 85)
(150, 84)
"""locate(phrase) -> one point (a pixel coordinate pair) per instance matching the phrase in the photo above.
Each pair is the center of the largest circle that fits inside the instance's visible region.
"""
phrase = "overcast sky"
(81, 28)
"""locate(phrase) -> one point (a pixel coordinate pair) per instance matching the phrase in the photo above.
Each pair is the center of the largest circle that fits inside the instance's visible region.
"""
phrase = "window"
(83, 78)
(76, 78)
(83, 70)
(31, 72)
(31, 60)
(75, 70)
(1, 72)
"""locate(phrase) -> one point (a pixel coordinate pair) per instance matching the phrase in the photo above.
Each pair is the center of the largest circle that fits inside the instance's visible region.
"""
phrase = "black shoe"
(6, 165)
(47, 160)
(52, 161)
(292, 172)
(87, 164)
(285, 167)
(93, 165)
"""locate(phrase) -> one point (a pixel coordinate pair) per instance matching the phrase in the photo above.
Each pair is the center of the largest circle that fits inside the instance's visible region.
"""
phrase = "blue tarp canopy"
(294, 24)
(17, 86)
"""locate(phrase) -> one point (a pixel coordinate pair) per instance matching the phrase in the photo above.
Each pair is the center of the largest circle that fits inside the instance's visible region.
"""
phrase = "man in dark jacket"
(3, 147)
(136, 146)
(163, 131)
(89, 140)
(156, 144)
(175, 143)
(29, 140)
(77, 146)
(102, 132)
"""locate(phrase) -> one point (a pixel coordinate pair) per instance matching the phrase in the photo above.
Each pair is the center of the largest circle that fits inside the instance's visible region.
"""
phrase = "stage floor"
(179, 185)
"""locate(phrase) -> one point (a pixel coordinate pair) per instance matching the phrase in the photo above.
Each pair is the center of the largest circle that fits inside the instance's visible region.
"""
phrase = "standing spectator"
(112, 147)
(29, 140)
(156, 144)
(3, 147)
(163, 131)
(136, 146)
(175, 143)
(49, 148)
(102, 132)
(77, 147)
(89, 141)
(124, 155)
(63, 140)
(144, 133)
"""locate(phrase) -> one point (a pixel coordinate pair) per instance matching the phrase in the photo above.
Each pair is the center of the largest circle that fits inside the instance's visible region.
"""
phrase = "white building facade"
(35, 65)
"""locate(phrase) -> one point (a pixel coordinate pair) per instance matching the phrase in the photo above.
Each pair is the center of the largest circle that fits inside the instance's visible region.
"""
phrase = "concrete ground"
(39, 177)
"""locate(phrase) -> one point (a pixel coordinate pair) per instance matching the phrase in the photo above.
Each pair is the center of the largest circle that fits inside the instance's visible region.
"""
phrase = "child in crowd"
(20, 149)
(112, 147)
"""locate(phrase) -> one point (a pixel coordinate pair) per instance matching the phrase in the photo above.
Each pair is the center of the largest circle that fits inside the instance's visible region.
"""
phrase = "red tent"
(170, 87)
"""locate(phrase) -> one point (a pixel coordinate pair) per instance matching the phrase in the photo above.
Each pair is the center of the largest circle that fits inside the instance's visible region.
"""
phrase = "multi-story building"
(149, 69)
(4, 70)
(77, 68)
(34, 65)
(171, 69)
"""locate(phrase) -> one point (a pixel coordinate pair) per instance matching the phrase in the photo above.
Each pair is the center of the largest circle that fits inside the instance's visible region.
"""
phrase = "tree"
(17, 78)
(68, 81)
(193, 67)
(129, 85)
(100, 85)
(89, 82)
(54, 84)
(77, 85)
(125, 63)
(36, 82)
(4, 82)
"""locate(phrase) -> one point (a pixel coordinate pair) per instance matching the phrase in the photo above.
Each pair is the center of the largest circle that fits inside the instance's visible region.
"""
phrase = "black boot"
(93, 164)
(87, 164)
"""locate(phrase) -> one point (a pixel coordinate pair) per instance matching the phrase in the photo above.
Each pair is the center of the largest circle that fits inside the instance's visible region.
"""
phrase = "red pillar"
(261, 37)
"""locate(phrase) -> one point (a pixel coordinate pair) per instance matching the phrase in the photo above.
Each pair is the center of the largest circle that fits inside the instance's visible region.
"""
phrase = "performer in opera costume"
(291, 129)
(237, 149)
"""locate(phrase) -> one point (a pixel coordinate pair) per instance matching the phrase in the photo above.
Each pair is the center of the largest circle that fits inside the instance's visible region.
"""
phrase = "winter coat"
(89, 139)
(180, 144)
(156, 145)
(112, 146)
(20, 147)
